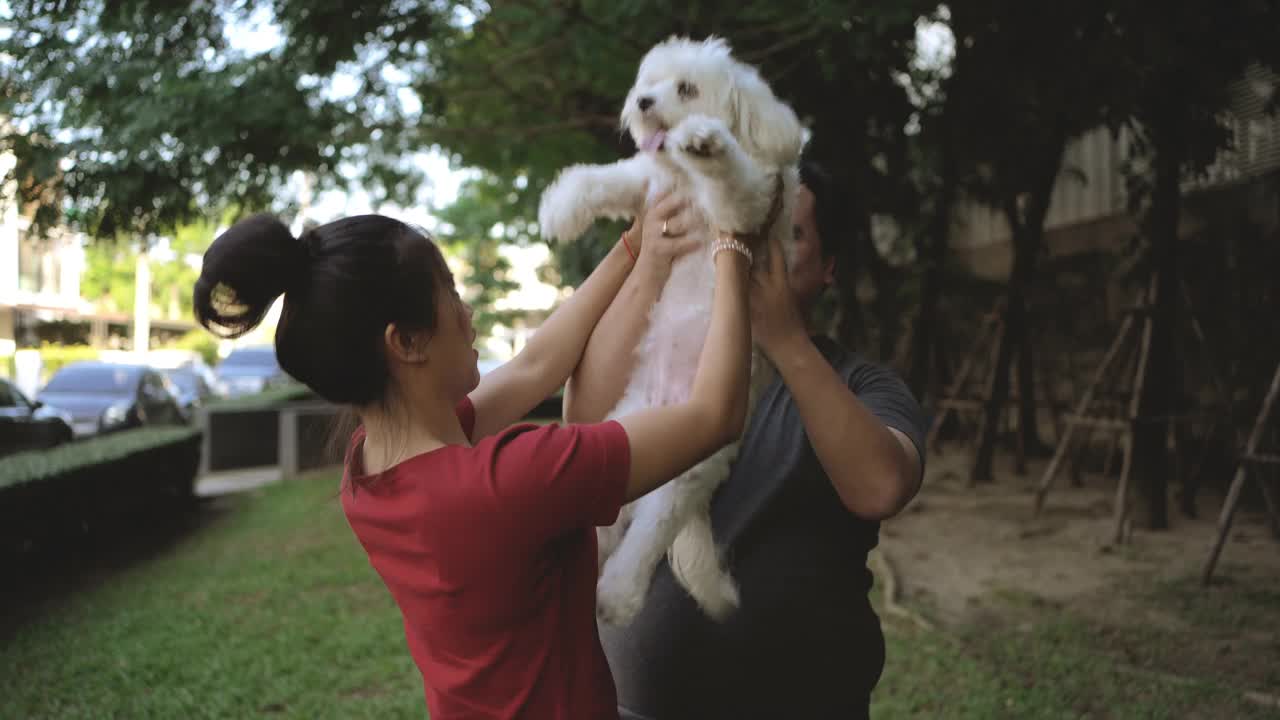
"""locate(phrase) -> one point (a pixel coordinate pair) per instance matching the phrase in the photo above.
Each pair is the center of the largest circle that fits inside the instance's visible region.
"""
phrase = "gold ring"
(664, 229)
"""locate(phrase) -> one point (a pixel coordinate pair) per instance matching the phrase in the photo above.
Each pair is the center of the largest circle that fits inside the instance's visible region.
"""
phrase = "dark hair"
(829, 201)
(343, 282)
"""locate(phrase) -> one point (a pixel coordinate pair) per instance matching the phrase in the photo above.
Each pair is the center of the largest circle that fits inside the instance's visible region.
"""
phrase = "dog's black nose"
(645, 103)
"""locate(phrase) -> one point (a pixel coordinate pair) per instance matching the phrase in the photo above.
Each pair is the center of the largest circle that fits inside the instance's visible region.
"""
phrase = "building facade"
(41, 298)
(1089, 207)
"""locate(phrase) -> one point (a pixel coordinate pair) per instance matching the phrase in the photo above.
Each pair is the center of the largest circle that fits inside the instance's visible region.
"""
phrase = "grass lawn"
(271, 610)
(1062, 670)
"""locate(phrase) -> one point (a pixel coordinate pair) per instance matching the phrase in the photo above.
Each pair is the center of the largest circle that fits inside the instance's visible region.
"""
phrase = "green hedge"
(55, 496)
(36, 465)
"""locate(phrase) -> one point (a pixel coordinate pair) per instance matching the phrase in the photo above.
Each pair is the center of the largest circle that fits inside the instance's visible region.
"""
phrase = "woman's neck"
(407, 427)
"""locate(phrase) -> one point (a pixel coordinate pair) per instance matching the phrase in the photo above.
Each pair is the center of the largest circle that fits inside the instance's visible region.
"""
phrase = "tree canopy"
(141, 115)
(138, 118)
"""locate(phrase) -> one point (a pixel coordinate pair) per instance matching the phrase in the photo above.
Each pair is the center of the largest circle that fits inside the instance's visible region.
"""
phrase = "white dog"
(710, 128)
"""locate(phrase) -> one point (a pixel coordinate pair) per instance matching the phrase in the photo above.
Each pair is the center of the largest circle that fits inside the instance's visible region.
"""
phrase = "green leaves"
(473, 229)
(141, 116)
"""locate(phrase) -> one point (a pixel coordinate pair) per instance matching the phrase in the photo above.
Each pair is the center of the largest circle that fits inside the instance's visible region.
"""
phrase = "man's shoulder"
(879, 387)
(854, 368)
(850, 363)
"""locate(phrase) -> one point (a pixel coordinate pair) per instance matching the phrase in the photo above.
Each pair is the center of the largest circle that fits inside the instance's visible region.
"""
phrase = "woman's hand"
(657, 249)
(775, 316)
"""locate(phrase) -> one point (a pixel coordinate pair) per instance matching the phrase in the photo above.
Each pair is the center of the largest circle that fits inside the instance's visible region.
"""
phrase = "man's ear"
(406, 346)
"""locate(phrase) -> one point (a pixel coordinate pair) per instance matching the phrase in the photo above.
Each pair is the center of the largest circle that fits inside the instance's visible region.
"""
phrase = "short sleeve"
(555, 478)
(466, 412)
(891, 401)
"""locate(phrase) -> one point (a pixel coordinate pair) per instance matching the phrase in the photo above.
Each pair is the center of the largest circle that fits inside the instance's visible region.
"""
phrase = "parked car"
(195, 384)
(105, 397)
(249, 370)
(26, 425)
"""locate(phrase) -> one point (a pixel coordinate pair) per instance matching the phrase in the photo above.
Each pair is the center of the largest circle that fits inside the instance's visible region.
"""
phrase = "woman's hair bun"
(245, 269)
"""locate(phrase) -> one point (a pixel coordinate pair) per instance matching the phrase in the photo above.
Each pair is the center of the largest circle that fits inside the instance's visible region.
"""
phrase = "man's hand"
(775, 317)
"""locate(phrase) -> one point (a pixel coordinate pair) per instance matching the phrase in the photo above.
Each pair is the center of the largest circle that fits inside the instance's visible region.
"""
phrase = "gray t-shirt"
(805, 641)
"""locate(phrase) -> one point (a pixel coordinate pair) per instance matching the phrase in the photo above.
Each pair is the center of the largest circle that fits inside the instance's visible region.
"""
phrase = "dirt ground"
(977, 557)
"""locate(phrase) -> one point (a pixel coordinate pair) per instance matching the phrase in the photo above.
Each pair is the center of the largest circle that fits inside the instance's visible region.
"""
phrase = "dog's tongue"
(654, 142)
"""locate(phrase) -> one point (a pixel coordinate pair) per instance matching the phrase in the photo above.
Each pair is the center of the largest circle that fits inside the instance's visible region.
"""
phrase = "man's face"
(808, 272)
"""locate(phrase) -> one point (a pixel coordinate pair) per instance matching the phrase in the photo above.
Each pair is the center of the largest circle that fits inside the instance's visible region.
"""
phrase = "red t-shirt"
(490, 552)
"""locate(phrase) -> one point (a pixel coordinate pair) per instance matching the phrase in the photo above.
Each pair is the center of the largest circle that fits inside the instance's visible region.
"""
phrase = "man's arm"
(874, 468)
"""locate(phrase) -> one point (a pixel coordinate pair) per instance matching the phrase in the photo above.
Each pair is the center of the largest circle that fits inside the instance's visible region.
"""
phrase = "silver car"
(249, 370)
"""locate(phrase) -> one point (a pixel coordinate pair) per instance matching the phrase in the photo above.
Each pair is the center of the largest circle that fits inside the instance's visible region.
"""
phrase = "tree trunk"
(1010, 340)
(1027, 223)
(851, 331)
(924, 331)
(994, 405)
(886, 303)
(933, 256)
(883, 277)
(1162, 387)
(941, 374)
(888, 315)
(859, 253)
(1028, 427)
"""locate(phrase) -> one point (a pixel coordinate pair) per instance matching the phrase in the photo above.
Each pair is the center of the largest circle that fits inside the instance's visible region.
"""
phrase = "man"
(835, 446)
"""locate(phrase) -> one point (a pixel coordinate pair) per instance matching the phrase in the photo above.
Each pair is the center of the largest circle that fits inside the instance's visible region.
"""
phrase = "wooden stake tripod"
(958, 398)
(967, 397)
(1251, 458)
(1110, 403)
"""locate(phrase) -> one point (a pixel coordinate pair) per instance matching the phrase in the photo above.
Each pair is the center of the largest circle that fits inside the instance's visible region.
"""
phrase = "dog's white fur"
(727, 140)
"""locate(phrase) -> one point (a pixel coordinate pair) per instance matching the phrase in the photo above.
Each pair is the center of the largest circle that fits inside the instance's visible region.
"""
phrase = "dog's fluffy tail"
(695, 563)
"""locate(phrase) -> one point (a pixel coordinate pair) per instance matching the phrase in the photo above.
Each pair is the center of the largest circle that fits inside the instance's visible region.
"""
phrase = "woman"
(483, 533)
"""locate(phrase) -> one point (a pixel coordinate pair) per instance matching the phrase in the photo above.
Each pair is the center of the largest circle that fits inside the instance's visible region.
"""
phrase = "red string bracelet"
(627, 245)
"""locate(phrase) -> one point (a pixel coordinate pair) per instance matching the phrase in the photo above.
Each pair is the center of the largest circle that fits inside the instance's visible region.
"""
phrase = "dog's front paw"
(700, 137)
(618, 599)
(561, 215)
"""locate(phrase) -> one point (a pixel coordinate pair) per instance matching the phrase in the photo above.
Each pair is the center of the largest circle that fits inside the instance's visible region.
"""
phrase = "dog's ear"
(716, 46)
(626, 114)
(766, 125)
